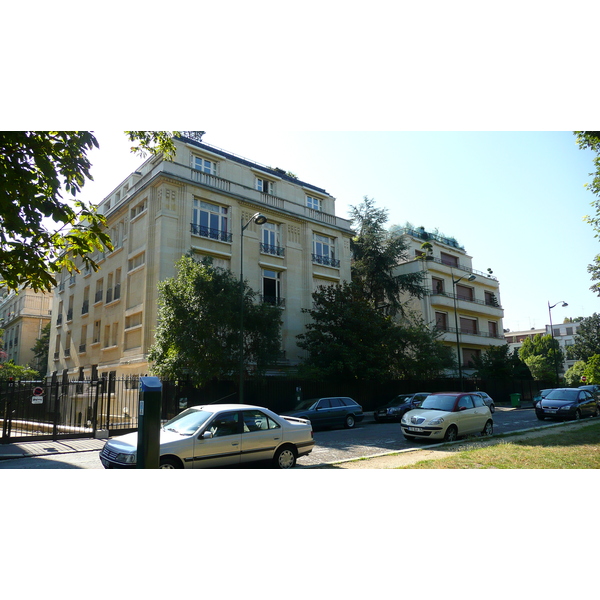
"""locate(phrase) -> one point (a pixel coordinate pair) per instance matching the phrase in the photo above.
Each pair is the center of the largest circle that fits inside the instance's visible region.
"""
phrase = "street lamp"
(552, 333)
(454, 282)
(259, 219)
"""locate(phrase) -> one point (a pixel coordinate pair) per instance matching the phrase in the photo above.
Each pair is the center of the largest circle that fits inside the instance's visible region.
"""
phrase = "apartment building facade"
(23, 315)
(202, 201)
(462, 303)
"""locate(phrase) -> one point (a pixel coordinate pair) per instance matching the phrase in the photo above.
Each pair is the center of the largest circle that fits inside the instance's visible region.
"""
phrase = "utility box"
(150, 404)
(515, 400)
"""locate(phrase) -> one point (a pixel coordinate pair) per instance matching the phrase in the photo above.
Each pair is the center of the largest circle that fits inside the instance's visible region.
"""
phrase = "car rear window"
(348, 402)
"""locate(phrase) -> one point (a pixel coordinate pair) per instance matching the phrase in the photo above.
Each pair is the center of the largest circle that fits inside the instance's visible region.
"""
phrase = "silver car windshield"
(187, 422)
(439, 403)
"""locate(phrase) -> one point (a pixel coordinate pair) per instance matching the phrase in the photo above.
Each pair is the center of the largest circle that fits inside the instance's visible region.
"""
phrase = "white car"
(446, 416)
(220, 435)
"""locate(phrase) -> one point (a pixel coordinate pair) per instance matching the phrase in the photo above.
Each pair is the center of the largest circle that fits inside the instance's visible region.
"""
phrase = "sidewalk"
(48, 448)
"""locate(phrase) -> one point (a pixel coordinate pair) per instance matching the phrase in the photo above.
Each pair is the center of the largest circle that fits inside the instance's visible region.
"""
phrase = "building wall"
(23, 316)
(150, 218)
(478, 311)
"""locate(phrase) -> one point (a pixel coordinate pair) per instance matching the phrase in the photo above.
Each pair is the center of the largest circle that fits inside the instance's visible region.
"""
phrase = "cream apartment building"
(23, 315)
(462, 303)
(104, 322)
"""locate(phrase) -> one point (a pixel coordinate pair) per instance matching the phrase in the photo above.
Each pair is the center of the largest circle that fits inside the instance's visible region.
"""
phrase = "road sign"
(38, 391)
(37, 399)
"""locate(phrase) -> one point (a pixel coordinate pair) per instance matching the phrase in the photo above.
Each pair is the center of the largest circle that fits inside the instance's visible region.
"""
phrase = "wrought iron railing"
(274, 250)
(209, 232)
(325, 260)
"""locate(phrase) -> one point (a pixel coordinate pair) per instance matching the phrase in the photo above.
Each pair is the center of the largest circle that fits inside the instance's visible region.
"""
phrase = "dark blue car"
(567, 403)
(335, 411)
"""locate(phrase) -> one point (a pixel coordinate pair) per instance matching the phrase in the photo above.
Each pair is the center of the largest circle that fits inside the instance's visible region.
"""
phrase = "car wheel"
(285, 458)
(451, 434)
(596, 412)
(349, 422)
(492, 408)
(169, 463)
(577, 415)
(488, 429)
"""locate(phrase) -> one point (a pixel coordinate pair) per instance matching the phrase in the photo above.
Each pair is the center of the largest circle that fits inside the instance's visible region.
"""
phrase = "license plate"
(549, 410)
(415, 429)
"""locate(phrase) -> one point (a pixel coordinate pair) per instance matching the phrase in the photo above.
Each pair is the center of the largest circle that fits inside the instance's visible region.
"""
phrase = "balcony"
(469, 332)
(273, 250)
(325, 260)
(446, 299)
(274, 300)
(210, 233)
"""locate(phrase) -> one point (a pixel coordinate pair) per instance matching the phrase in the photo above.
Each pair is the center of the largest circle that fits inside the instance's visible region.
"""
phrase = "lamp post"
(259, 219)
(552, 333)
(454, 282)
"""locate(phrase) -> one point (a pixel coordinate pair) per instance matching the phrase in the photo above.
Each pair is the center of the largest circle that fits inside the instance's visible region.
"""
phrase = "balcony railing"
(209, 232)
(464, 299)
(325, 260)
(274, 300)
(85, 307)
(498, 336)
(98, 296)
(462, 268)
(274, 250)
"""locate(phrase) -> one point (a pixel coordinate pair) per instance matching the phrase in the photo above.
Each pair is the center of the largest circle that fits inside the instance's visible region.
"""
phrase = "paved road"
(366, 439)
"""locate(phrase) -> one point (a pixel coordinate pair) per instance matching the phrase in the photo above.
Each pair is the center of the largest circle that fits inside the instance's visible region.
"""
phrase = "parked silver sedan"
(219, 435)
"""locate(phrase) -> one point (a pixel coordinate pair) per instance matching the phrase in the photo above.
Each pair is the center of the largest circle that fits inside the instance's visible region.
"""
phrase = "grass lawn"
(577, 449)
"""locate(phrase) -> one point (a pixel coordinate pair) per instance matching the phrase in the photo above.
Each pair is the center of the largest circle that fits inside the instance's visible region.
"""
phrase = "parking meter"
(149, 409)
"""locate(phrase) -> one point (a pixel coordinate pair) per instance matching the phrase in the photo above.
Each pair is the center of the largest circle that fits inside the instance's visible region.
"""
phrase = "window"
(314, 203)
(441, 321)
(469, 356)
(204, 165)
(466, 401)
(85, 307)
(99, 290)
(265, 186)
(139, 209)
(115, 334)
(271, 242)
(133, 320)
(137, 261)
(569, 331)
(255, 420)
(97, 325)
(226, 424)
(465, 293)
(210, 220)
(271, 287)
(493, 329)
(437, 285)
(448, 259)
(83, 338)
(490, 299)
(468, 326)
(324, 250)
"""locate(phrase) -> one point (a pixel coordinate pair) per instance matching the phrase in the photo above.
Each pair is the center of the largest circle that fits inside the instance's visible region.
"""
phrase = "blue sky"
(514, 200)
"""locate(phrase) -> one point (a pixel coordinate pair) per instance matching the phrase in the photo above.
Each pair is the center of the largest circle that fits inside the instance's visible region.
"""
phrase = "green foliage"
(42, 233)
(198, 331)
(155, 142)
(592, 370)
(41, 349)
(586, 339)
(497, 362)
(9, 370)
(590, 140)
(574, 374)
(348, 338)
(542, 354)
(376, 253)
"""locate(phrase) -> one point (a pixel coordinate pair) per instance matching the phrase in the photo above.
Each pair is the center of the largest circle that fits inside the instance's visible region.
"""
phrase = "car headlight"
(405, 419)
(568, 407)
(392, 411)
(437, 421)
(128, 459)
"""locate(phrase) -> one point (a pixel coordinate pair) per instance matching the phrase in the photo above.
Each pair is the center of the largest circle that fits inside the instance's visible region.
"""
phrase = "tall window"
(271, 287)
(314, 203)
(441, 321)
(204, 165)
(464, 293)
(271, 239)
(448, 259)
(324, 250)
(493, 329)
(210, 220)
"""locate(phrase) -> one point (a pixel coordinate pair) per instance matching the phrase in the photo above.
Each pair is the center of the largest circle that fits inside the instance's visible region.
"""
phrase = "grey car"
(333, 411)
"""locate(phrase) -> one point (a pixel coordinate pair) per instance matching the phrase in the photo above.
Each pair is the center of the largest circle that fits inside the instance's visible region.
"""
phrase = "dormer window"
(204, 165)
(314, 203)
(264, 185)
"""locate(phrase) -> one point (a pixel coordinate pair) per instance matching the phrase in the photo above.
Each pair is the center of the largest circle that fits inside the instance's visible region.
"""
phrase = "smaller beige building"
(23, 315)
(462, 303)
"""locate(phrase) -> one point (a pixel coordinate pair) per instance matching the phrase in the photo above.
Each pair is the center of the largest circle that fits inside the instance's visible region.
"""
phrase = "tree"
(542, 355)
(198, 331)
(9, 370)
(348, 338)
(574, 374)
(41, 349)
(590, 140)
(592, 370)
(586, 341)
(41, 232)
(376, 253)
(497, 362)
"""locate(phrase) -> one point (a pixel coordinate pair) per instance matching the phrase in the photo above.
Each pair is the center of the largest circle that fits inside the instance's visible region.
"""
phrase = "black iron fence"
(61, 408)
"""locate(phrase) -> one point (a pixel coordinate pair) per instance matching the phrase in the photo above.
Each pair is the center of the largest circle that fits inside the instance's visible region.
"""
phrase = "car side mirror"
(207, 435)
